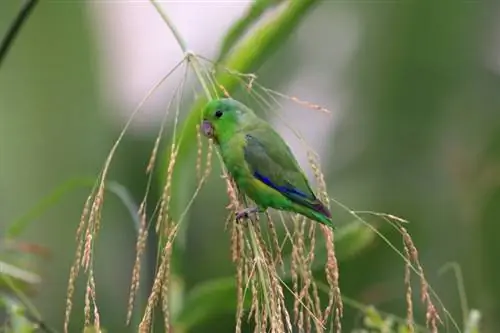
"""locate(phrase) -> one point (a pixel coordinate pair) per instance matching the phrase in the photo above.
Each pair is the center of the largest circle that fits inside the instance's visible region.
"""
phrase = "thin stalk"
(15, 27)
(195, 65)
(189, 56)
(171, 26)
(258, 257)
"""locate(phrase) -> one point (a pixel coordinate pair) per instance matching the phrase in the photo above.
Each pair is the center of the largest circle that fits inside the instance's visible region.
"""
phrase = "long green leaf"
(241, 26)
(15, 229)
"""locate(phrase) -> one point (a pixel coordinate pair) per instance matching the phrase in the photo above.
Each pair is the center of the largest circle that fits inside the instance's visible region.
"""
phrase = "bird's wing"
(272, 162)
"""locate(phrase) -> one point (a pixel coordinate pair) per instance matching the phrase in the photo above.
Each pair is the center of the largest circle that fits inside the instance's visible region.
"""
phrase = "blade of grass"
(241, 26)
(15, 229)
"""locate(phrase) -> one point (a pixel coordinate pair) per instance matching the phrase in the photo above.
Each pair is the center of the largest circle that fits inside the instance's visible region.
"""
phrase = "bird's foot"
(245, 213)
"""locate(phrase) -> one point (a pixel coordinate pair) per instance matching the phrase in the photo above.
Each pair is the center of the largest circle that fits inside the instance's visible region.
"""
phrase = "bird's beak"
(207, 129)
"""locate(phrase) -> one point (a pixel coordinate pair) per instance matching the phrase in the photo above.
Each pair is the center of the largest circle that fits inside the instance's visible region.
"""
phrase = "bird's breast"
(233, 155)
(234, 158)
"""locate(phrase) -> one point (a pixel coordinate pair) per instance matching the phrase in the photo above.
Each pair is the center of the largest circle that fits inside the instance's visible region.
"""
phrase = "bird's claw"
(245, 213)
(241, 215)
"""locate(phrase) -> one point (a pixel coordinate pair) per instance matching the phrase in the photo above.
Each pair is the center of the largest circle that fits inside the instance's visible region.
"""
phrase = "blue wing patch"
(282, 189)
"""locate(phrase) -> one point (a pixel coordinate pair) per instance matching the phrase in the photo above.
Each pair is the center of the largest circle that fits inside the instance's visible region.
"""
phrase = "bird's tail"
(319, 217)
(317, 211)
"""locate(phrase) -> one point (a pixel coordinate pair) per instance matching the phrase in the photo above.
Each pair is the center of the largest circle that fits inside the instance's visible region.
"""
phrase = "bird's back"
(279, 162)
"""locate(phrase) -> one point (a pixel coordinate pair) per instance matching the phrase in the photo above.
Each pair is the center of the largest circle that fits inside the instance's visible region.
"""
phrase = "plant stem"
(258, 256)
(171, 26)
(195, 65)
(190, 57)
(15, 27)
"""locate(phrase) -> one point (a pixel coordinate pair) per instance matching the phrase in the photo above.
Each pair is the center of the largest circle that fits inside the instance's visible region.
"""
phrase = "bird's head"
(223, 117)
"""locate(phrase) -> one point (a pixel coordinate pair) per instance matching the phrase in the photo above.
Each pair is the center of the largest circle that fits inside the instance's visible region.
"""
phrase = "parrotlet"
(260, 162)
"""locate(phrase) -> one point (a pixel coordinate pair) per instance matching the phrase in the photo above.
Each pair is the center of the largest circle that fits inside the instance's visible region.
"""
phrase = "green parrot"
(260, 162)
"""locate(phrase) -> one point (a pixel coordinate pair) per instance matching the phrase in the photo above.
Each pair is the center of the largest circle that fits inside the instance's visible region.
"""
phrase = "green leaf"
(18, 226)
(241, 26)
(207, 300)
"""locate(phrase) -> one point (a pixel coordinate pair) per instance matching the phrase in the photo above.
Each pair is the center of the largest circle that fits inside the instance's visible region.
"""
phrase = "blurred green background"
(415, 132)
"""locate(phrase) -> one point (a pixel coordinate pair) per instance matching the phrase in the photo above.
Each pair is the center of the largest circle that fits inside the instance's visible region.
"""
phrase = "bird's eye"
(218, 114)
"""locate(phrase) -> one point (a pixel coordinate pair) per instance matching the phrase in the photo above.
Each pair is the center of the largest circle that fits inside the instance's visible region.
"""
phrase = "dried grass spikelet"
(307, 306)
(75, 268)
(256, 264)
(140, 248)
(224, 91)
(91, 308)
(301, 275)
(166, 193)
(208, 163)
(90, 221)
(165, 289)
(199, 152)
(91, 218)
(278, 260)
(237, 252)
(411, 253)
(331, 268)
(86, 309)
(153, 156)
(161, 284)
(161, 278)
(409, 292)
(257, 256)
(256, 273)
(309, 105)
(251, 80)
(143, 222)
(91, 287)
(301, 102)
(237, 245)
(272, 299)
